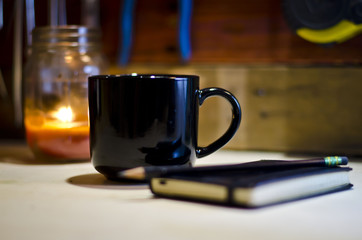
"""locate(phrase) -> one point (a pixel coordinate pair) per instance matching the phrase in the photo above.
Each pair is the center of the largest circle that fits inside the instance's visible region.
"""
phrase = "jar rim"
(67, 35)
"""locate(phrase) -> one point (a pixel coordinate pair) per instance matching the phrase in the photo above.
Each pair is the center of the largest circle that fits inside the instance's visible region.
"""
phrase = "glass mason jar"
(56, 91)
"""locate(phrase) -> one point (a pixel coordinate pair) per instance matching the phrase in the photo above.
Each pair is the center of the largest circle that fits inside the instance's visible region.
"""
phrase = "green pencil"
(146, 173)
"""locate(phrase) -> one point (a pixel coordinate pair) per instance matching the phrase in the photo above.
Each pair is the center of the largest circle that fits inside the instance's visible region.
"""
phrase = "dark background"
(222, 32)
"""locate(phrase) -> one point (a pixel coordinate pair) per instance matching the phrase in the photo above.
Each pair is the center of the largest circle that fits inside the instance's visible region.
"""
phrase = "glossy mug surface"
(143, 120)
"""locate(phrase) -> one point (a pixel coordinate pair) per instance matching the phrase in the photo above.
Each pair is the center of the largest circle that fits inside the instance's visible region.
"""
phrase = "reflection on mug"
(167, 153)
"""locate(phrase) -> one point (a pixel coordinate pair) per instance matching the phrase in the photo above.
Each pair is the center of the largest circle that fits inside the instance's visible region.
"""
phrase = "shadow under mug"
(143, 120)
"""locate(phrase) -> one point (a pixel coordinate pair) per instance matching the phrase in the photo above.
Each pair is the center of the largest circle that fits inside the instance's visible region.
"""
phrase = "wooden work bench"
(72, 201)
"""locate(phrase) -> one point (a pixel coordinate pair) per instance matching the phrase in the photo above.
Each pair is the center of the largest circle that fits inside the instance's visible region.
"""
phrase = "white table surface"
(73, 201)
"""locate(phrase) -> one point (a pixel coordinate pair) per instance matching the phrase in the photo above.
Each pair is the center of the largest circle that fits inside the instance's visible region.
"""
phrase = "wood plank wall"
(289, 109)
(227, 31)
(222, 32)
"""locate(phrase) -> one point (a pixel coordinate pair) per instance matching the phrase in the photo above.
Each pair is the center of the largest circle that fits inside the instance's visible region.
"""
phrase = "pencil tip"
(137, 173)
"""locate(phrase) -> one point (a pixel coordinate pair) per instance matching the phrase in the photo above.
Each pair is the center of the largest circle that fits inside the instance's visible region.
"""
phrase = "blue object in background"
(126, 26)
(184, 29)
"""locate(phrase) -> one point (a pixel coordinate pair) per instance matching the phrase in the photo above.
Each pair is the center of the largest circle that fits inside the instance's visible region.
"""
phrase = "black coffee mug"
(142, 120)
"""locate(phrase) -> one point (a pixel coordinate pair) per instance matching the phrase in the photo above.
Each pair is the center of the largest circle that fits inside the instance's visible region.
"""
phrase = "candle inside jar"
(64, 114)
(59, 136)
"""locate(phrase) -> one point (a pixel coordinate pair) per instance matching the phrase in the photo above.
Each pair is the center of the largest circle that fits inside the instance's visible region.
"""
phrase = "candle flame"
(64, 114)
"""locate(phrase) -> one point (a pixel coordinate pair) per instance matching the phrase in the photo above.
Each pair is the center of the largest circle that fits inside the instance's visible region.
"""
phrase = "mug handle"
(205, 93)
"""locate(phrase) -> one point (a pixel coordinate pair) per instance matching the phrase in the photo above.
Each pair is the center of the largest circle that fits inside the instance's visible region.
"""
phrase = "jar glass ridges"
(56, 91)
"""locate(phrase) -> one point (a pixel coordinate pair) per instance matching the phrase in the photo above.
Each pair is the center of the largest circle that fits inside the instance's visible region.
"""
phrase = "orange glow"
(64, 114)
(59, 137)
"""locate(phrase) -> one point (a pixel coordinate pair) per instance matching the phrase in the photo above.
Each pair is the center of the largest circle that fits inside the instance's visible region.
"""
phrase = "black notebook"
(253, 187)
